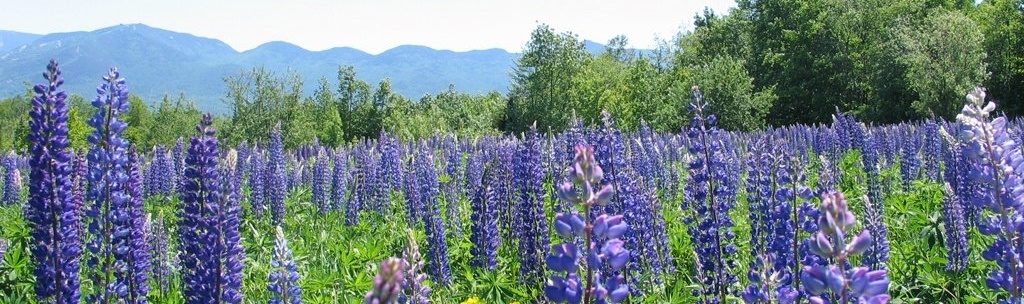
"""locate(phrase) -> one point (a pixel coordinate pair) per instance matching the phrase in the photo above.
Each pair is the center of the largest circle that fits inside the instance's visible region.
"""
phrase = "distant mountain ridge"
(157, 62)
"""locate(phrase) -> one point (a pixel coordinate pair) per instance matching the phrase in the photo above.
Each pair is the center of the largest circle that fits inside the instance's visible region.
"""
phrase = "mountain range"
(157, 62)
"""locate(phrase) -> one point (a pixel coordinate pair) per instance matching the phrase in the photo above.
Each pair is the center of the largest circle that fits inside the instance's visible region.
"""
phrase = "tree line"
(763, 63)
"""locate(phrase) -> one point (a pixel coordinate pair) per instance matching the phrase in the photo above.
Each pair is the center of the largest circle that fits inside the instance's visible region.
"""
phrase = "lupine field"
(925, 212)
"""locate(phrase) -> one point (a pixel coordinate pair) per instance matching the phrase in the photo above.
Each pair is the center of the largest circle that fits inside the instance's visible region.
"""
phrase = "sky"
(371, 26)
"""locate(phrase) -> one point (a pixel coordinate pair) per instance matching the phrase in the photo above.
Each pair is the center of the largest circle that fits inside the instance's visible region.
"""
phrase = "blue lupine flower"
(284, 275)
(484, 232)
(339, 180)
(12, 181)
(138, 258)
(710, 196)
(953, 211)
(566, 285)
(109, 225)
(931, 150)
(276, 185)
(415, 291)
(533, 236)
(453, 168)
(257, 183)
(321, 183)
(387, 285)
(52, 220)
(179, 164)
(432, 222)
(160, 258)
(210, 252)
(837, 283)
(910, 161)
(390, 163)
(995, 162)
(878, 255)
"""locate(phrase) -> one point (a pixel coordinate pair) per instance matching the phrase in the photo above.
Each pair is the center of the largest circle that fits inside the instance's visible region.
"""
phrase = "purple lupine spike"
(387, 285)
(484, 232)
(566, 286)
(276, 185)
(3, 249)
(52, 221)
(414, 204)
(12, 181)
(416, 292)
(432, 221)
(533, 236)
(390, 163)
(110, 227)
(284, 275)
(995, 164)
(210, 252)
(931, 150)
(453, 170)
(257, 186)
(954, 208)
(339, 180)
(361, 187)
(159, 254)
(138, 259)
(837, 281)
(910, 160)
(878, 255)
(321, 183)
(179, 164)
(230, 239)
(709, 198)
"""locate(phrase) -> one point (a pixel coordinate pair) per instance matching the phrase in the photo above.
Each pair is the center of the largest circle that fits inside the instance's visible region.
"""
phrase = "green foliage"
(943, 58)
(730, 93)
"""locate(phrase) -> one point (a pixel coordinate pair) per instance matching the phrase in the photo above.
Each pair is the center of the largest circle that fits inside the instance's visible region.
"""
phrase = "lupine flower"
(179, 164)
(362, 188)
(159, 253)
(484, 233)
(390, 163)
(878, 255)
(432, 222)
(931, 150)
(387, 285)
(321, 183)
(414, 204)
(3, 249)
(284, 275)
(138, 258)
(566, 286)
(995, 162)
(533, 236)
(276, 185)
(210, 248)
(51, 217)
(415, 291)
(110, 226)
(837, 283)
(12, 181)
(710, 197)
(339, 177)
(257, 184)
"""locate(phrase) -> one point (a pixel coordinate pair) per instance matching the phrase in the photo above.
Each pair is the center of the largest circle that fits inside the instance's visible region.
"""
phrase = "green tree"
(140, 121)
(944, 57)
(546, 82)
(1002, 22)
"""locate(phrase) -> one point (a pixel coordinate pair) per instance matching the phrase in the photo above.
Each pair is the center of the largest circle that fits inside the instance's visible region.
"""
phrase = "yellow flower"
(473, 300)
(516, 302)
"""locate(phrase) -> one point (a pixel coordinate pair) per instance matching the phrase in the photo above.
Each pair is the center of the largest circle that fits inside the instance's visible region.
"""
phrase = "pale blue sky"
(371, 26)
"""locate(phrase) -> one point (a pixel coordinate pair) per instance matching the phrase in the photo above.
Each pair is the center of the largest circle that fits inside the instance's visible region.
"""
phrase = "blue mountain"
(159, 62)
